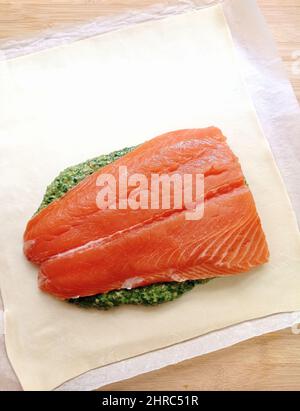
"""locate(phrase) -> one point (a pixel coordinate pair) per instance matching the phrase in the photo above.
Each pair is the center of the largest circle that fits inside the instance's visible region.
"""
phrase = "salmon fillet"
(83, 250)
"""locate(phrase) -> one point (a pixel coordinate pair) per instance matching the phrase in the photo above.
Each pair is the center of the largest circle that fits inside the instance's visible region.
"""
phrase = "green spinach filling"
(150, 295)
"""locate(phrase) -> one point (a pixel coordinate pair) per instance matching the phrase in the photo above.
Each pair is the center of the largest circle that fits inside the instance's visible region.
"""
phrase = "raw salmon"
(83, 250)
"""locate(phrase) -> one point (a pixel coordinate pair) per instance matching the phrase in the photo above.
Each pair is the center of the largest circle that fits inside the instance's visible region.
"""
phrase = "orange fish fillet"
(83, 250)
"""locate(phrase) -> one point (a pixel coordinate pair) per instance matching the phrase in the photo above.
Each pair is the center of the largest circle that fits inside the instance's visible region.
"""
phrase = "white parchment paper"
(279, 114)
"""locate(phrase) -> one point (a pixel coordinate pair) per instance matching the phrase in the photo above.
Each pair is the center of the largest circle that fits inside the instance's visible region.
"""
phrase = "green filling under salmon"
(150, 295)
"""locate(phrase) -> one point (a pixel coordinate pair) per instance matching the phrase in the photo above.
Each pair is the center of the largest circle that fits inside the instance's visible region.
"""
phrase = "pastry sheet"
(70, 103)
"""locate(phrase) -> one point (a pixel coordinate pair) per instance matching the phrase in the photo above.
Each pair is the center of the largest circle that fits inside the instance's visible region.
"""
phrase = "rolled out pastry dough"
(67, 104)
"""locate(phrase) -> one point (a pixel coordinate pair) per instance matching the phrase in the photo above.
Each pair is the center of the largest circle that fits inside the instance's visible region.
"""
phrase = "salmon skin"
(83, 250)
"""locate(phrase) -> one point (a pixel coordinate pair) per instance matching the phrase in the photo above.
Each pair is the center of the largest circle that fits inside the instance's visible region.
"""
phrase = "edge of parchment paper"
(52, 38)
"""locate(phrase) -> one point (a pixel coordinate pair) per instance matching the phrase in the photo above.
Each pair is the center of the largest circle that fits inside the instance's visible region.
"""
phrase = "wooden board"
(268, 362)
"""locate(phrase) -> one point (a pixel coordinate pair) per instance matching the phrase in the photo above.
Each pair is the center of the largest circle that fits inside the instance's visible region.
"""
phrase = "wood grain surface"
(268, 362)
